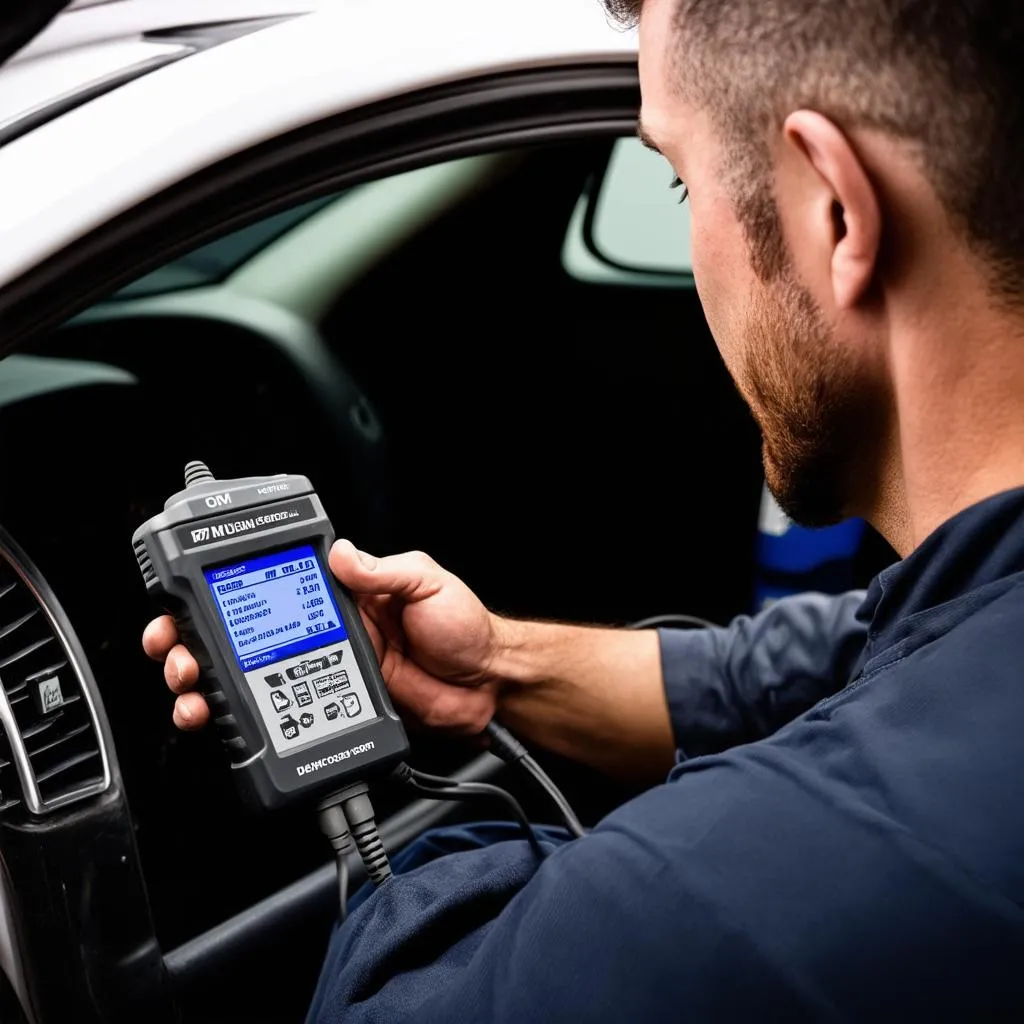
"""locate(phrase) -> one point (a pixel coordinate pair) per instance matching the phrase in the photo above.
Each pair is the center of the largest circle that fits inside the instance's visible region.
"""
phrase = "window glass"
(629, 226)
(215, 261)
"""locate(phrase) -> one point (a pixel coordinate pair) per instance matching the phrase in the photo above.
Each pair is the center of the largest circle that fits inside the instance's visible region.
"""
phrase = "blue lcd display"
(276, 606)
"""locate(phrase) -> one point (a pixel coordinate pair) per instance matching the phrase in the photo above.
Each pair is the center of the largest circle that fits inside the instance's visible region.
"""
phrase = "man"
(843, 834)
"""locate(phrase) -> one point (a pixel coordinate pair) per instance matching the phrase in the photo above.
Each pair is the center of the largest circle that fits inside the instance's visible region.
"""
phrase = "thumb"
(413, 575)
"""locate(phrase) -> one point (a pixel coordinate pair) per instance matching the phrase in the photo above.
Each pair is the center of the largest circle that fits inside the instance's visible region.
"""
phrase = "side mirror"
(628, 226)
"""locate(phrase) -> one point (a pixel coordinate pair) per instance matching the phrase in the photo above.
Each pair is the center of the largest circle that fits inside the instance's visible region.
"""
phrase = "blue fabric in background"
(792, 559)
(800, 550)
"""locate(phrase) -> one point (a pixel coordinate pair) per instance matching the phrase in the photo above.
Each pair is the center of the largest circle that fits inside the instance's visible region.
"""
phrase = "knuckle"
(480, 720)
(422, 559)
(191, 711)
(180, 669)
(170, 675)
(433, 718)
(446, 711)
(154, 639)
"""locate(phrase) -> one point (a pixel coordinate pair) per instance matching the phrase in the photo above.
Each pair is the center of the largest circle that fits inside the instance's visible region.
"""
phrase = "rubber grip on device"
(210, 687)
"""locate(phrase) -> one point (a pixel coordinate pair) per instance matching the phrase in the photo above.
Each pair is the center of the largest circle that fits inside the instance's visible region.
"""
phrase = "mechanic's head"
(847, 161)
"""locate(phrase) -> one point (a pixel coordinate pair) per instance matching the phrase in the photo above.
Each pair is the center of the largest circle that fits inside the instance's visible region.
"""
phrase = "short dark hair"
(947, 76)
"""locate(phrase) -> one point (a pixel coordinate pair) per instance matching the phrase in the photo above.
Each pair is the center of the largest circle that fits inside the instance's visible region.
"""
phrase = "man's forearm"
(595, 695)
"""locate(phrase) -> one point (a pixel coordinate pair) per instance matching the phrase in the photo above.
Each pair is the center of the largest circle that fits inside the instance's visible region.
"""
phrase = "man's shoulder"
(912, 777)
(981, 634)
(811, 853)
(983, 629)
(994, 622)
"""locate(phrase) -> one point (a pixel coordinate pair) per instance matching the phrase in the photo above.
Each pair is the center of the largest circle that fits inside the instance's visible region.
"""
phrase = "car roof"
(88, 22)
(76, 172)
(94, 46)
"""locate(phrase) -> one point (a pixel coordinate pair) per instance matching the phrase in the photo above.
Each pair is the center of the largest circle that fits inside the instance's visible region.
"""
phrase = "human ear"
(844, 205)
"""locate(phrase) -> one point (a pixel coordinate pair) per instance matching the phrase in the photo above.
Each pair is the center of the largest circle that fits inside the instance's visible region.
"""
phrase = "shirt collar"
(979, 546)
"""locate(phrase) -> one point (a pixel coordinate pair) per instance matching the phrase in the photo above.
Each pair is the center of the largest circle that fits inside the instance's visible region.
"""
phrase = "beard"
(816, 415)
(822, 413)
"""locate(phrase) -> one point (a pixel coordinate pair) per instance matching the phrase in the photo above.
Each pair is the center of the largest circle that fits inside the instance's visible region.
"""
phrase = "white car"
(412, 250)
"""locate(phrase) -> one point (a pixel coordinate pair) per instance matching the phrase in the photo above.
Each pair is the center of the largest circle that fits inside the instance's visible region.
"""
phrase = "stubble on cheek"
(818, 412)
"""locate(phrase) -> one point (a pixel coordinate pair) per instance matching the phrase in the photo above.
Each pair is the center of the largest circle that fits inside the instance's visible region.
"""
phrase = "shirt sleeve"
(742, 682)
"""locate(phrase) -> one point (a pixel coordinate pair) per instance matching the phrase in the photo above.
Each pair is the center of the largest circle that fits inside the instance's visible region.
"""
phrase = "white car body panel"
(75, 173)
(31, 85)
(101, 20)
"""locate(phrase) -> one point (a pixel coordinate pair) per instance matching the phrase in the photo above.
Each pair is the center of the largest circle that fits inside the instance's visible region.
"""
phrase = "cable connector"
(504, 745)
(334, 825)
(346, 818)
(436, 787)
(355, 803)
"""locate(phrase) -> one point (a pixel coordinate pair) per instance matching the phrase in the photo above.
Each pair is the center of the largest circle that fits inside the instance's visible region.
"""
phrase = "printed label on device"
(242, 524)
(292, 646)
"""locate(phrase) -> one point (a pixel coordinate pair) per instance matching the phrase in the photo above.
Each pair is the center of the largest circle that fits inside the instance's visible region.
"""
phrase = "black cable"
(342, 886)
(504, 745)
(482, 790)
(403, 772)
(684, 621)
(572, 823)
(510, 750)
(335, 827)
(438, 788)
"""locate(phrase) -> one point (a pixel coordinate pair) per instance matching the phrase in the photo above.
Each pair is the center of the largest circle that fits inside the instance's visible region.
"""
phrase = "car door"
(120, 184)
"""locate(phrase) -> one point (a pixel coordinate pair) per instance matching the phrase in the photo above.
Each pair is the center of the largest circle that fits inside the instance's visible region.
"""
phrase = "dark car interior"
(573, 450)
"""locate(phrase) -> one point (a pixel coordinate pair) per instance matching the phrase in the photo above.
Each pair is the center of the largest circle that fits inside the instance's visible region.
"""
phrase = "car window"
(212, 263)
(629, 226)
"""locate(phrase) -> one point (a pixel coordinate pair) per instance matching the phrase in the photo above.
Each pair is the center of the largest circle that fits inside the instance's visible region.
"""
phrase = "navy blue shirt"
(842, 838)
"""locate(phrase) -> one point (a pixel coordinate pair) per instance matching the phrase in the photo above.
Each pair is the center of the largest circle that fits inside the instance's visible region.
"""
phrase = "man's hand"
(594, 695)
(435, 640)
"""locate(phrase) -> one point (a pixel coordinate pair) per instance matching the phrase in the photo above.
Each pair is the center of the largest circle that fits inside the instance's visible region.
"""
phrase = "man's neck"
(958, 377)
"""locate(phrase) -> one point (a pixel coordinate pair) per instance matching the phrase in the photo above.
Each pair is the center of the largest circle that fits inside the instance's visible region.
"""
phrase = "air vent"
(51, 752)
